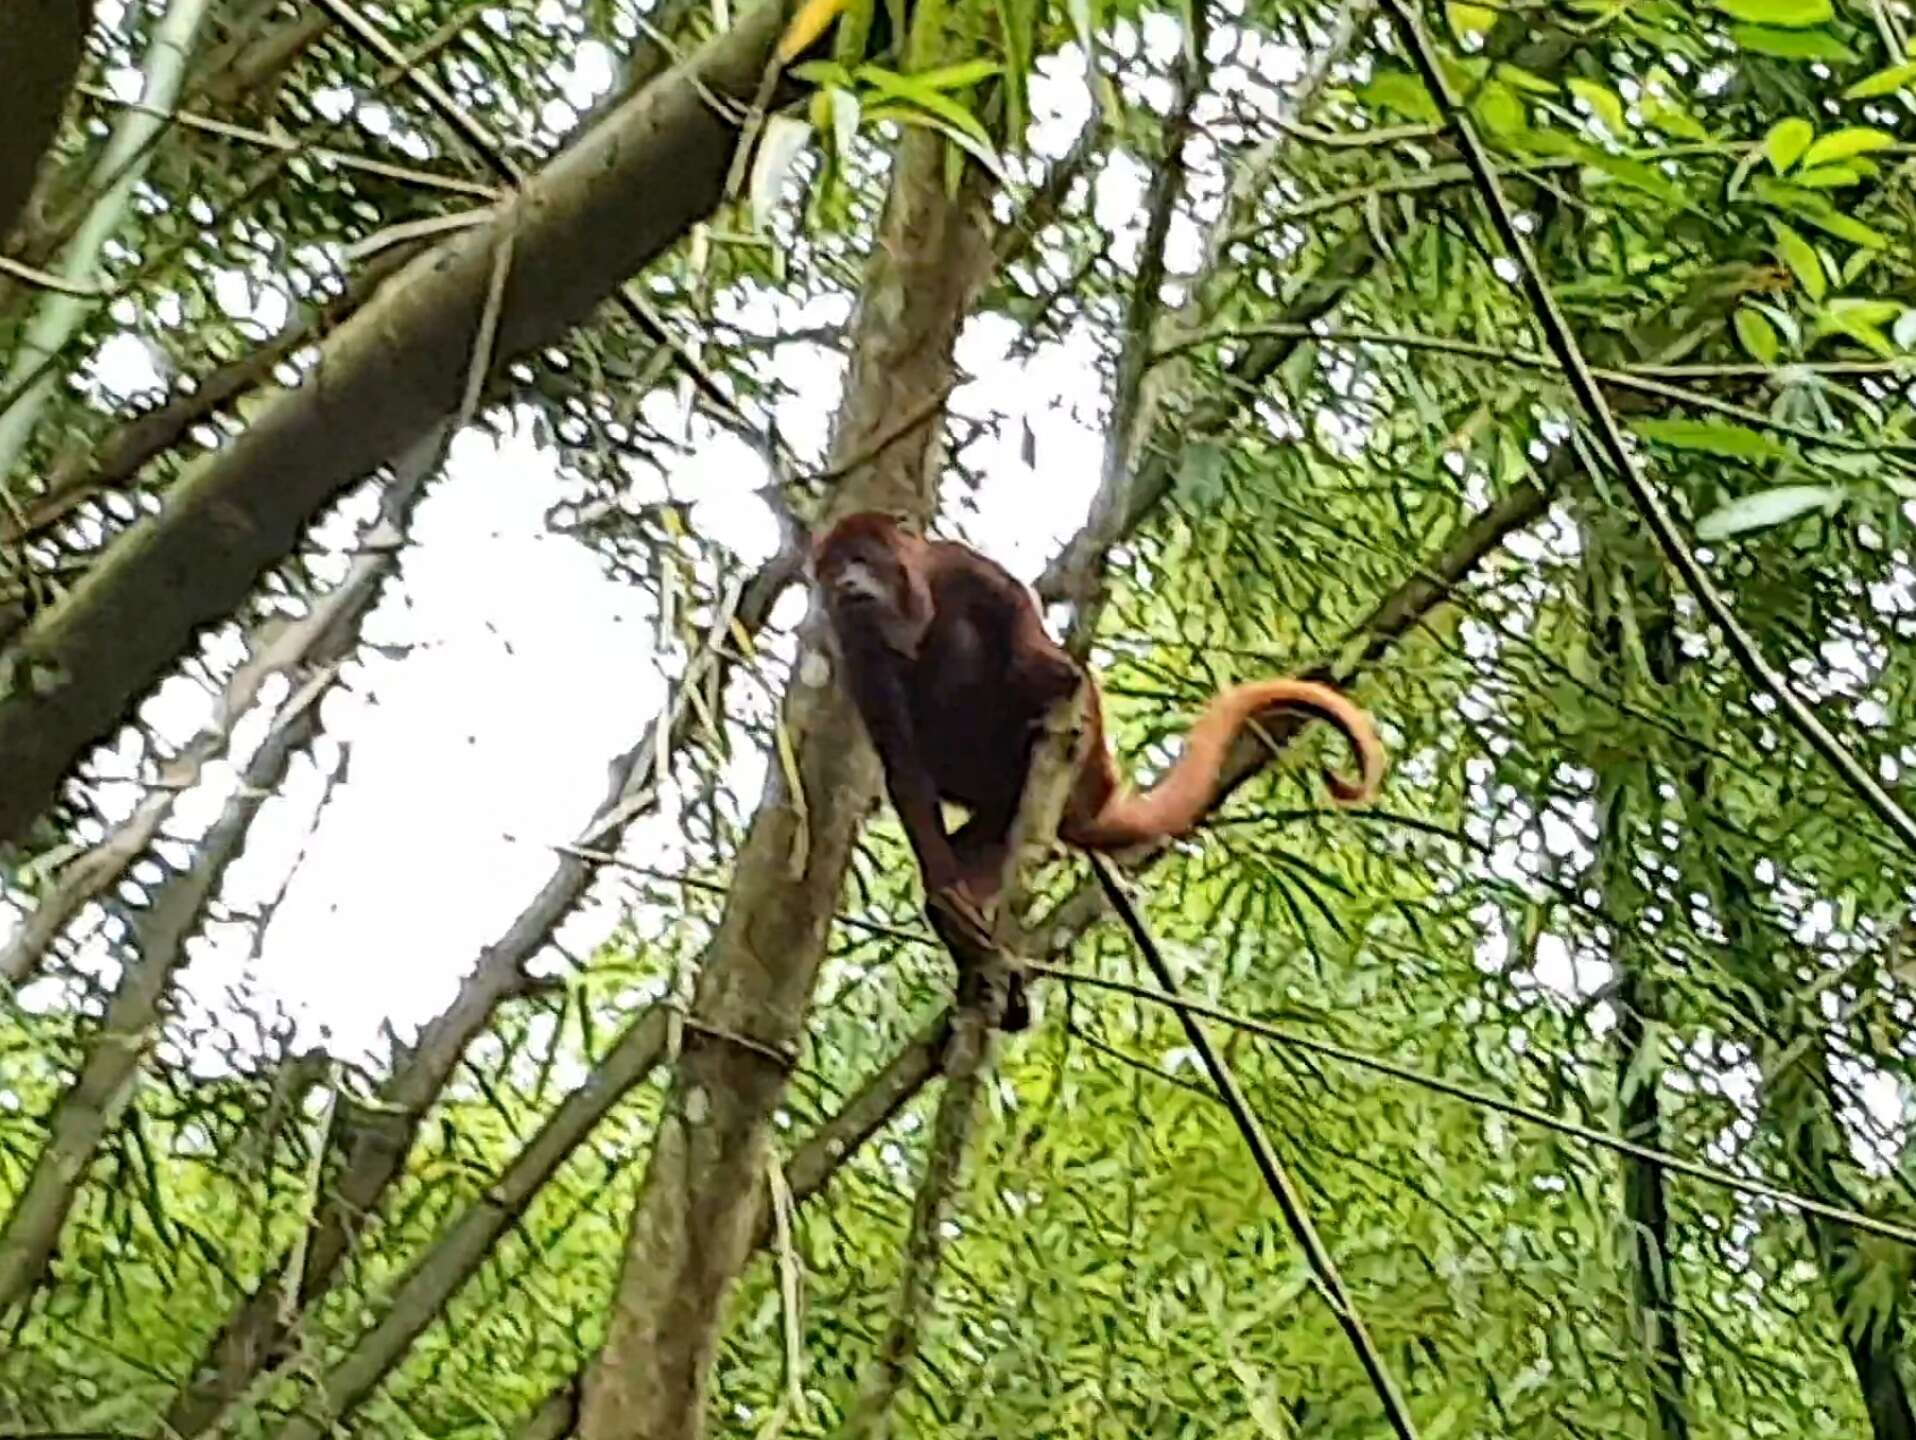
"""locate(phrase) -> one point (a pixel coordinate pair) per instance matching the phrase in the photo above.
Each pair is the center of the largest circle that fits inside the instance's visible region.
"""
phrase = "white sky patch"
(532, 670)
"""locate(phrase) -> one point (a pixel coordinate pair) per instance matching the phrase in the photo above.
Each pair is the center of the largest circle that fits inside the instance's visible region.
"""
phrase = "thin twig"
(1585, 386)
(1355, 139)
(286, 144)
(482, 345)
(47, 280)
(1276, 1178)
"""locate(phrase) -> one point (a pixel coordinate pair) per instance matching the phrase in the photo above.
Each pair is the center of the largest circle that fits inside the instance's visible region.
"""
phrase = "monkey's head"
(873, 572)
(864, 560)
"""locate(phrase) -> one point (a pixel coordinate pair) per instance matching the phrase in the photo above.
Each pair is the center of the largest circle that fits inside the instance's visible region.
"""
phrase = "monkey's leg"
(875, 677)
(981, 844)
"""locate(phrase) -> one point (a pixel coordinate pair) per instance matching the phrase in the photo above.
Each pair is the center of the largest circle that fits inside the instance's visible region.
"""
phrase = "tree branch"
(322, 637)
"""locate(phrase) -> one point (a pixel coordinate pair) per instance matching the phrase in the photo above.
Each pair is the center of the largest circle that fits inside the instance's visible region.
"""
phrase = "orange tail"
(1188, 790)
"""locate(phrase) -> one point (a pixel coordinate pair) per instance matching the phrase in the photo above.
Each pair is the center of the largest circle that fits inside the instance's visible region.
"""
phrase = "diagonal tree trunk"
(1405, 607)
(372, 1144)
(692, 1228)
(41, 42)
(600, 211)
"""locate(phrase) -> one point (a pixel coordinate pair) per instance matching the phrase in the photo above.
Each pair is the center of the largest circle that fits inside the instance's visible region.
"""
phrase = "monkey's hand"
(954, 905)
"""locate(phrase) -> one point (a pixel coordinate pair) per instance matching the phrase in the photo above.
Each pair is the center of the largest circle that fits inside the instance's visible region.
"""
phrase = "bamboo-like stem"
(418, 1298)
(287, 144)
(1502, 1105)
(1644, 379)
(86, 1114)
(322, 637)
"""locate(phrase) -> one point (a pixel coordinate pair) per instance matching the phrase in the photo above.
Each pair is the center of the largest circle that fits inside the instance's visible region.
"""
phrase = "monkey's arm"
(1039, 671)
(874, 674)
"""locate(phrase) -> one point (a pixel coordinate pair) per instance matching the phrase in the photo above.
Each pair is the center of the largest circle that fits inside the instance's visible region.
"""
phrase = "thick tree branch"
(373, 1143)
(87, 1113)
(433, 1279)
(86, 473)
(321, 637)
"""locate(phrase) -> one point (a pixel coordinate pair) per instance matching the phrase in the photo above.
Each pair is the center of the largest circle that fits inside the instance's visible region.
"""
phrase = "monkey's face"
(860, 576)
(861, 564)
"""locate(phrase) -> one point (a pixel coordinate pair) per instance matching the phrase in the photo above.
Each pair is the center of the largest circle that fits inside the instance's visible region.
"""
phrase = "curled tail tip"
(1346, 791)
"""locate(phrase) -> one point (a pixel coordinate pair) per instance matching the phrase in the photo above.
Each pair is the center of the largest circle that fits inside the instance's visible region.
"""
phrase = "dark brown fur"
(946, 657)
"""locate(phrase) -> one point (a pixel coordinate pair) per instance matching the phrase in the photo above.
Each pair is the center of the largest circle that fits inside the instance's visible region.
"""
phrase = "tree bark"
(581, 226)
(698, 1208)
(41, 42)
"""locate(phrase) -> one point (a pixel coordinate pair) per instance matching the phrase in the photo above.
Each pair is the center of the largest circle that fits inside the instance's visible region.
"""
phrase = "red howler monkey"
(948, 662)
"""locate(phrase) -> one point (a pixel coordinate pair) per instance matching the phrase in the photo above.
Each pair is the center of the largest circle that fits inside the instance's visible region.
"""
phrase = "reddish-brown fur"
(947, 659)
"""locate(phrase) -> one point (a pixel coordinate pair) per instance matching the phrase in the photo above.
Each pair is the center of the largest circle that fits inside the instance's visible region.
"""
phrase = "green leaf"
(1082, 23)
(1501, 112)
(1768, 508)
(1757, 335)
(1403, 92)
(1017, 24)
(1607, 104)
(822, 72)
(1815, 209)
(1522, 79)
(1809, 45)
(1787, 140)
(1201, 473)
(1712, 437)
(1855, 309)
(912, 90)
(910, 115)
(1469, 19)
(1660, 114)
(957, 77)
(1883, 82)
(1844, 227)
(1828, 177)
(1861, 319)
(845, 118)
(1787, 14)
(1635, 173)
(1841, 144)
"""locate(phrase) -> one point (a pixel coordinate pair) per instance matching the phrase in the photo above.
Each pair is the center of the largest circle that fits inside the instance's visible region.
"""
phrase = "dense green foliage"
(1606, 879)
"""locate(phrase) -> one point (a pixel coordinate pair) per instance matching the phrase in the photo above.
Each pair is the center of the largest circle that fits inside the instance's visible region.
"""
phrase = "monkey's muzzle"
(856, 583)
